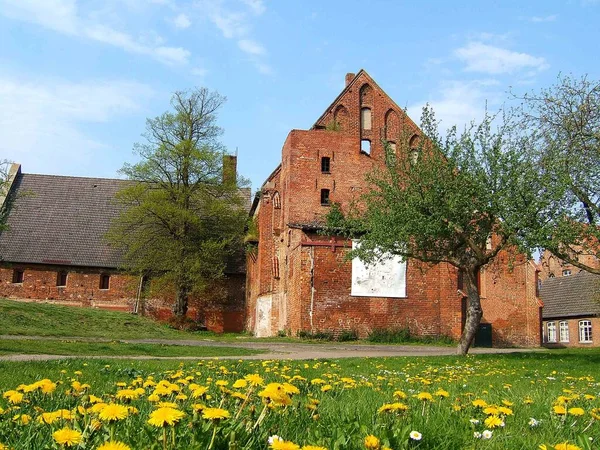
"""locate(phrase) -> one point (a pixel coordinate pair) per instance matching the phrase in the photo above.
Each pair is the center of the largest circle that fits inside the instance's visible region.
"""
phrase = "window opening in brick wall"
(61, 279)
(563, 328)
(104, 281)
(585, 331)
(325, 164)
(365, 118)
(18, 276)
(551, 332)
(365, 146)
(325, 197)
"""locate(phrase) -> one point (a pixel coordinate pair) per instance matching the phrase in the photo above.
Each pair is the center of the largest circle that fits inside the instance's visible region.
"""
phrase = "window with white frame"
(585, 331)
(551, 332)
(564, 331)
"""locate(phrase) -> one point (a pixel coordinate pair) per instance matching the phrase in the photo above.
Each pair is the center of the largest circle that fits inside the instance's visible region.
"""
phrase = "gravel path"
(273, 350)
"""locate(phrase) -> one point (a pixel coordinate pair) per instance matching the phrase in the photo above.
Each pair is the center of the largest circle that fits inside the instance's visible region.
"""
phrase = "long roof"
(575, 295)
(61, 220)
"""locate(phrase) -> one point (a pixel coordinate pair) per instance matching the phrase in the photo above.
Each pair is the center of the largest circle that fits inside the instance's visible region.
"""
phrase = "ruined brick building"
(298, 279)
(54, 250)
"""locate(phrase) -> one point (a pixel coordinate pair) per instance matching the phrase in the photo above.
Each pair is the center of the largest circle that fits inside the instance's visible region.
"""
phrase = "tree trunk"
(474, 312)
(181, 301)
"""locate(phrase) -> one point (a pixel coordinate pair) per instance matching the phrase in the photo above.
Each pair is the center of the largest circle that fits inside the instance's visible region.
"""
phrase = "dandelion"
(165, 416)
(559, 409)
(273, 439)
(576, 411)
(280, 444)
(595, 413)
(67, 437)
(215, 413)
(566, 446)
(425, 396)
(487, 434)
(493, 422)
(113, 445)
(415, 435)
(254, 379)
(442, 393)
(479, 403)
(313, 447)
(393, 407)
(371, 442)
(113, 412)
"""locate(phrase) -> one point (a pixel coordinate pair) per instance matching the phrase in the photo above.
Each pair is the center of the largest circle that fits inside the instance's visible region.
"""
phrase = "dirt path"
(273, 350)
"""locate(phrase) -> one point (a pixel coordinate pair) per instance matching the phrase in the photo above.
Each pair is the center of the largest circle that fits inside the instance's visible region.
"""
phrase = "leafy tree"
(182, 213)
(562, 125)
(458, 200)
(5, 199)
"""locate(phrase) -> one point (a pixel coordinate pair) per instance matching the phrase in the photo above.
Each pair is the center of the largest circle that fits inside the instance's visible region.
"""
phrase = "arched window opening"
(365, 119)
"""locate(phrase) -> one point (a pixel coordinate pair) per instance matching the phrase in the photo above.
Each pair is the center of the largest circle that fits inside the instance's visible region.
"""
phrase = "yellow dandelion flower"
(595, 413)
(506, 411)
(313, 447)
(507, 403)
(493, 422)
(393, 407)
(479, 403)
(316, 381)
(576, 411)
(425, 396)
(114, 445)
(280, 444)
(165, 416)
(566, 446)
(528, 400)
(67, 437)
(215, 413)
(442, 393)
(559, 409)
(127, 394)
(167, 405)
(113, 412)
(240, 384)
(254, 379)
(491, 410)
(15, 398)
(371, 442)
(399, 394)
(326, 388)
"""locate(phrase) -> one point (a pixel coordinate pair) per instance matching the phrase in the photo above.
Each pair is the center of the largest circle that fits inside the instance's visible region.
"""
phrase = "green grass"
(344, 415)
(114, 348)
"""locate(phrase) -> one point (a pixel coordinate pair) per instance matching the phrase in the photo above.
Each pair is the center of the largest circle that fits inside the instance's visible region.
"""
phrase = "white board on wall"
(385, 278)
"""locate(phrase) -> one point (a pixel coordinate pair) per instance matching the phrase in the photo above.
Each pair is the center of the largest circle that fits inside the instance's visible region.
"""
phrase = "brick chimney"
(349, 77)
(229, 169)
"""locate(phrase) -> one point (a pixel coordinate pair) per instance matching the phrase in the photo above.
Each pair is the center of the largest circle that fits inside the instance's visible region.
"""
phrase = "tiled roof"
(575, 295)
(62, 220)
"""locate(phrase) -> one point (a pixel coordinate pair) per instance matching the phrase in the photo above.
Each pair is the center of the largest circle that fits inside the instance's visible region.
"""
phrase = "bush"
(390, 335)
(185, 324)
(317, 335)
(348, 335)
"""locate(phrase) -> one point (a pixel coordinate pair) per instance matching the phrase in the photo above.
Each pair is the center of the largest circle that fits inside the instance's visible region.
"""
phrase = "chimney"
(349, 77)
(229, 169)
(12, 173)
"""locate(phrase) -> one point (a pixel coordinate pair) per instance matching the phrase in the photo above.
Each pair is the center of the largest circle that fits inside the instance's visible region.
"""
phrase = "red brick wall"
(222, 309)
(573, 333)
(313, 288)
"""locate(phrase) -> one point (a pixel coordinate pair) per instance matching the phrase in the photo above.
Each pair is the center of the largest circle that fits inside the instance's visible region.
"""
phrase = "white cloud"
(538, 19)
(257, 6)
(489, 59)
(251, 47)
(43, 120)
(459, 102)
(182, 21)
(61, 16)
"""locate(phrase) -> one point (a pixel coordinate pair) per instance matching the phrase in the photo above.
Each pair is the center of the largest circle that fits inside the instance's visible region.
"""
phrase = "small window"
(566, 272)
(564, 331)
(414, 156)
(551, 332)
(61, 279)
(392, 147)
(18, 276)
(325, 197)
(365, 118)
(365, 146)
(585, 331)
(325, 164)
(104, 281)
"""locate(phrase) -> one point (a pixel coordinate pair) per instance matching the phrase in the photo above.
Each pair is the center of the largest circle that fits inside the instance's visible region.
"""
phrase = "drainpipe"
(312, 287)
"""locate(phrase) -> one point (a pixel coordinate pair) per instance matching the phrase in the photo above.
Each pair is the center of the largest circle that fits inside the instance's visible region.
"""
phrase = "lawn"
(516, 401)
(114, 348)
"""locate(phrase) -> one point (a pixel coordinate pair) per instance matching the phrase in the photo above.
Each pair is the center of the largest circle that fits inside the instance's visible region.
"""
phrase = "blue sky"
(79, 78)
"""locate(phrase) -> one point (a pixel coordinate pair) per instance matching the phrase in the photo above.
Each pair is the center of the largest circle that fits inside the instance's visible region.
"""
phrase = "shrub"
(348, 335)
(390, 335)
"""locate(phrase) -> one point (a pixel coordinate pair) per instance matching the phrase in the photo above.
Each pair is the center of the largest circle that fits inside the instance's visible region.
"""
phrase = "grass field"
(114, 348)
(513, 401)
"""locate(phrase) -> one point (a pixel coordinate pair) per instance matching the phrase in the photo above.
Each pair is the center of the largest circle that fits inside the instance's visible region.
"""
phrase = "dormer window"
(325, 164)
